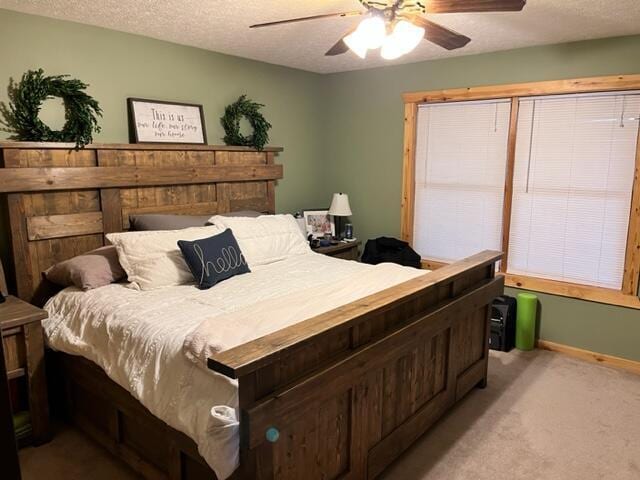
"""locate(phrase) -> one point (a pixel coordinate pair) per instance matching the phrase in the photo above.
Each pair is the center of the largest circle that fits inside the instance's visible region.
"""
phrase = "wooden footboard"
(343, 394)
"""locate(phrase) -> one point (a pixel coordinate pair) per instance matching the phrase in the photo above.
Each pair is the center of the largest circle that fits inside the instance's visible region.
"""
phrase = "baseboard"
(601, 358)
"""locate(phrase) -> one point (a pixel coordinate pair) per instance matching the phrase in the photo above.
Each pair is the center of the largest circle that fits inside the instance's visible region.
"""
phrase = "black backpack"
(386, 249)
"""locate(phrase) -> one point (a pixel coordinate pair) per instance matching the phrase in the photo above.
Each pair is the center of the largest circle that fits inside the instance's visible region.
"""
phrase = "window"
(574, 164)
(546, 178)
(461, 152)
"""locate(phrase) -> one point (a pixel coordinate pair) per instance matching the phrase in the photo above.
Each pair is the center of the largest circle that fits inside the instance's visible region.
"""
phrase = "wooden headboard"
(61, 202)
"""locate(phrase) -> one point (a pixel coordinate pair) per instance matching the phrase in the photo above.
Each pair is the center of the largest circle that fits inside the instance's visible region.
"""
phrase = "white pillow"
(265, 239)
(152, 259)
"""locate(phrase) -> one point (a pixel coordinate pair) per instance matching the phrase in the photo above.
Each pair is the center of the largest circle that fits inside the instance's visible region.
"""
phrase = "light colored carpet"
(543, 416)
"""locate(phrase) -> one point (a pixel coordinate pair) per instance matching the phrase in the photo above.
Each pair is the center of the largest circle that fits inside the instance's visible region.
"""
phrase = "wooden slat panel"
(579, 85)
(38, 179)
(315, 447)
(57, 226)
(111, 205)
(20, 245)
(50, 158)
(37, 383)
(467, 335)
(3, 281)
(14, 351)
(241, 158)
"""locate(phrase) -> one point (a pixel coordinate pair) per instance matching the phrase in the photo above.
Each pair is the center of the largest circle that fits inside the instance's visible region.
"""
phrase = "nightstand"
(23, 343)
(344, 250)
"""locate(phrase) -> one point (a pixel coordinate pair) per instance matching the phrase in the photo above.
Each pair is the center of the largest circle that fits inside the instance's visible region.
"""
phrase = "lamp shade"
(340, 205)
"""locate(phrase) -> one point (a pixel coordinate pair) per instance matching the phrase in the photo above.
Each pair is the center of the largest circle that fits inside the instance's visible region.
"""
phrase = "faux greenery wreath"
(231, 123)
(26, 98)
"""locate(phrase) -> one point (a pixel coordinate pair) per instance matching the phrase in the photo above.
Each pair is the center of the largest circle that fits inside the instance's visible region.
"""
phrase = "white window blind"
(461, 153)
(573, 181)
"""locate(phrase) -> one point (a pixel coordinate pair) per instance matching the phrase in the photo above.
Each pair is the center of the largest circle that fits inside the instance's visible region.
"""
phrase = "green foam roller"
(526, 321)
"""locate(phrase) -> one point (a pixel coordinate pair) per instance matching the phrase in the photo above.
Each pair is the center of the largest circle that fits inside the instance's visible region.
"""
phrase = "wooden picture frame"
(318, 212)
(167, 122)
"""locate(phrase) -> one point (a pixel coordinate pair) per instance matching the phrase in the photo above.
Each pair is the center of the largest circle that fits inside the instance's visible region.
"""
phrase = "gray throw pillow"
(160, 221)
(153, 222)
(94, 269)
(241, 213)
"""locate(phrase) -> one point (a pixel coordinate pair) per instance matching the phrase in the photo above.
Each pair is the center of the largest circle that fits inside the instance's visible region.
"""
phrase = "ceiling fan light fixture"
(405, 37)
(370, 34)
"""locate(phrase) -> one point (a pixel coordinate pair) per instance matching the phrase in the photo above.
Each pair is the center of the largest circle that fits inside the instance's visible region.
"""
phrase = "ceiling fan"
(397, 26)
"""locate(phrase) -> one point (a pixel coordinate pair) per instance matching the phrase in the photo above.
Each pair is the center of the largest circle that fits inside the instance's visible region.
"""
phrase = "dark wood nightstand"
(23, 343)
(347, 251)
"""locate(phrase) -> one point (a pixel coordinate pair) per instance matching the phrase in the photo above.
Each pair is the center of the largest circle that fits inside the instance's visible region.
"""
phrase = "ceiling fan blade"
(340, 46)
(304, 19)
(467, 6)
(440, 35)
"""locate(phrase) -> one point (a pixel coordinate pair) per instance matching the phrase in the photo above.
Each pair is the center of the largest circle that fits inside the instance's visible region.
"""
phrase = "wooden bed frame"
(340, 395)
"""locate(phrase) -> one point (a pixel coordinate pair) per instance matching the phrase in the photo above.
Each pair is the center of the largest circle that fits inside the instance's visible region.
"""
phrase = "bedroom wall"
(341, 132)
(119, 65)
(364, 113)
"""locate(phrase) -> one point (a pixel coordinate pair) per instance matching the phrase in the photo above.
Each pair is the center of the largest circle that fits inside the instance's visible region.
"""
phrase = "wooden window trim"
(627, 296)
(555, 287)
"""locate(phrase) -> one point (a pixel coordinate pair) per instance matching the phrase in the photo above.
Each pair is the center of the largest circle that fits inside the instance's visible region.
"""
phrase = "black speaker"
(503, 324)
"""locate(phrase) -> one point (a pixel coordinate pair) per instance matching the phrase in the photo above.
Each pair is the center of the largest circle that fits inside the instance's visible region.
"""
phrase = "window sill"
(571, 290)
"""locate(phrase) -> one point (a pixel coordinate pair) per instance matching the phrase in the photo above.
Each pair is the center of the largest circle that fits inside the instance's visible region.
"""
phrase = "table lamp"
(340, 208)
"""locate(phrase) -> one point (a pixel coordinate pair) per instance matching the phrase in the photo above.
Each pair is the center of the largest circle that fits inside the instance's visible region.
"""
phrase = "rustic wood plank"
(37, 382)
(131, 146)
(577, 85)
(508, 182)
(3, 281)
(20, 244)
(63, 178)
(15, 312)
(407, 207)
(384, 452)
(57, 226)
(631, 277)
(111, 205)
(252, 355)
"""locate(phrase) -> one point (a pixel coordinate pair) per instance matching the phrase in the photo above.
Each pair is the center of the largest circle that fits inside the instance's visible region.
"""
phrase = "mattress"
(138, 337)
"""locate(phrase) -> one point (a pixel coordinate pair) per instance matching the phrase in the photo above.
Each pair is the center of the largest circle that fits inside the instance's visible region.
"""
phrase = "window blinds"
(573, 181)
(461, 153)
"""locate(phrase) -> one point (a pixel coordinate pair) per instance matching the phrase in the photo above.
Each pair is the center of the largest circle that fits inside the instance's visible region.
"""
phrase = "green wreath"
(21, 119)
(231, 124)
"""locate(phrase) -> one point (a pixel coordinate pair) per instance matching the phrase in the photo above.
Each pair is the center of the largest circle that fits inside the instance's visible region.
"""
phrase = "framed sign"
(155, 121)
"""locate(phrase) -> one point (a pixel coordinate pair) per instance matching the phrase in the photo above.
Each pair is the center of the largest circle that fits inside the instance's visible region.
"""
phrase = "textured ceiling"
(222, 26)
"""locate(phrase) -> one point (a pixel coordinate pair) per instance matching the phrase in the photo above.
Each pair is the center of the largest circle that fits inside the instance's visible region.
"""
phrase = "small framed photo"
(156, 121)
(319, 223)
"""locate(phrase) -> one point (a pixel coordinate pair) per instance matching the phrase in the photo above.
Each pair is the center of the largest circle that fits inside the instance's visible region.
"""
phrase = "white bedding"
(138, 337)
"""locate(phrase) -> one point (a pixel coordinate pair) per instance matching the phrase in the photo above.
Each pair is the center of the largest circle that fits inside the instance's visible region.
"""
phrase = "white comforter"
(138, 337)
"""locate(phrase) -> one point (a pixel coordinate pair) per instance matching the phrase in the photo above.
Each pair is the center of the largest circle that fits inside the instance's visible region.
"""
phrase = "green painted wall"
(118, 65)
(341, 132)
(364, 113)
